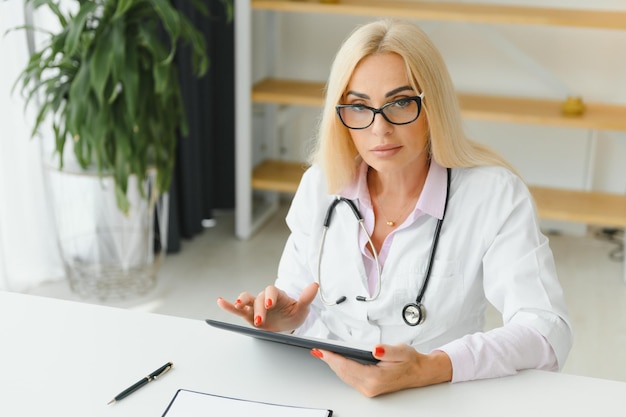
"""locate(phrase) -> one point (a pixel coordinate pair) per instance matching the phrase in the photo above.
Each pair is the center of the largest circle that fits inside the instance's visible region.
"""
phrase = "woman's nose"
(380, 125)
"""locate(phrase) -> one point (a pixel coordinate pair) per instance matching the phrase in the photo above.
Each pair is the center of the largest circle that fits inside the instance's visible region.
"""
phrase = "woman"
(391, 142)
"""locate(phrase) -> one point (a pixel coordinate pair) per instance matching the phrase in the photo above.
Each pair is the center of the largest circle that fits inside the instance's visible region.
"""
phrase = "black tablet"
(299, 341)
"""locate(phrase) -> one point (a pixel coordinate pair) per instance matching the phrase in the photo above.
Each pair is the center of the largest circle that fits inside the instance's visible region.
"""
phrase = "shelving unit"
(272, 175)
(461, 12)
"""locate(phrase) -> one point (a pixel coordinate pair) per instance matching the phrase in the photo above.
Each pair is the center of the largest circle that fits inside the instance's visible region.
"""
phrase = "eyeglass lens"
(398, 112)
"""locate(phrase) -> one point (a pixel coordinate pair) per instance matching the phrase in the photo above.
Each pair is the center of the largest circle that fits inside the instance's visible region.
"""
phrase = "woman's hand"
(400, 367)
(272, 309)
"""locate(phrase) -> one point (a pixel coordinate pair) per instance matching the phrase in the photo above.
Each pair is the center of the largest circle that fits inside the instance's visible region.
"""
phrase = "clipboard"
(361, 355)
(188, 403)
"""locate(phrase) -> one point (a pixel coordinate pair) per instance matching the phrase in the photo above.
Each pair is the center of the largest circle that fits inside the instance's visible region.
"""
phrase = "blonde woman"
(447, 227)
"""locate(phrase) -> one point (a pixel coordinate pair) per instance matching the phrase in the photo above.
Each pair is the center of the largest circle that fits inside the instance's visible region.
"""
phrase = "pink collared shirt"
(431, 202)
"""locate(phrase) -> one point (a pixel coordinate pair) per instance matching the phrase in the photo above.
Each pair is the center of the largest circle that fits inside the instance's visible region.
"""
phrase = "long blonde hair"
(334, 150)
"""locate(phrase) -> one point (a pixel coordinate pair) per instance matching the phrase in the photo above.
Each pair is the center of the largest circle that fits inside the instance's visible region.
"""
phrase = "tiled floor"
(217, 264)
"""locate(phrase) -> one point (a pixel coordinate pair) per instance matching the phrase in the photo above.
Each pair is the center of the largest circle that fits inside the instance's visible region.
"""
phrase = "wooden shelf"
(292, 92)
(541, 112)
(602, 209)
(595, 208)
(474, 106)
(272, 175)
(461, 12)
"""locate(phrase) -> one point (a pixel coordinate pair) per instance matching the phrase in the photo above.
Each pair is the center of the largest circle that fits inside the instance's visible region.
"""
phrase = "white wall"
(536, 61)
(28, 250)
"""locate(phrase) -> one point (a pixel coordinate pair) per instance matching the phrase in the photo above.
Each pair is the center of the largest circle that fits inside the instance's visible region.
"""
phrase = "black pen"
(154, 375)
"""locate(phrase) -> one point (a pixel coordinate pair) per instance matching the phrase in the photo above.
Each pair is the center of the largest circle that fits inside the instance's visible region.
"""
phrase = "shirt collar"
(432, 200)
(357, 189)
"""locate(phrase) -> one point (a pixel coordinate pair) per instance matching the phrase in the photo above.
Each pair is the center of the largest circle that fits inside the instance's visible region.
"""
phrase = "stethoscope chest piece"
(413, 314)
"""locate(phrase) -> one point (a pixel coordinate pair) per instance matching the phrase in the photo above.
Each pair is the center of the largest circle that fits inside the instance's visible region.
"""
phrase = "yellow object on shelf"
(573, 106)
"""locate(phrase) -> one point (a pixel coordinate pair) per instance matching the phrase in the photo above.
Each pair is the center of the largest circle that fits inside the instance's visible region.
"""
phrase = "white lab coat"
(490, 250)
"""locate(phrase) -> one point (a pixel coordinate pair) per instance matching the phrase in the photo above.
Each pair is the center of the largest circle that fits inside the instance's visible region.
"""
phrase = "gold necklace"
(391, 223)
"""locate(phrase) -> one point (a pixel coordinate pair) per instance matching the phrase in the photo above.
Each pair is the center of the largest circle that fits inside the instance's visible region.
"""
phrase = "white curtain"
(28, 249)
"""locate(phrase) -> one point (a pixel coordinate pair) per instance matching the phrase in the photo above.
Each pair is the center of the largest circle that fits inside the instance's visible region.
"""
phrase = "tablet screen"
(360, 355)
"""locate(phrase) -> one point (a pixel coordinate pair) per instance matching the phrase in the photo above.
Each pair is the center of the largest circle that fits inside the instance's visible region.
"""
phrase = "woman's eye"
(401, 103)
(357, 108)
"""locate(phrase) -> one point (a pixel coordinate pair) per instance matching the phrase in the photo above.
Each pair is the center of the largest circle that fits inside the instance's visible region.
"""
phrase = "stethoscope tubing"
(357, 214)
(412, 313)
(435, 243)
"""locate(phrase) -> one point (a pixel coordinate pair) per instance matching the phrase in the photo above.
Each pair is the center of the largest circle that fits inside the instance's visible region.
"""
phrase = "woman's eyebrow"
(359, 95)
(389, 94)
(398, 90)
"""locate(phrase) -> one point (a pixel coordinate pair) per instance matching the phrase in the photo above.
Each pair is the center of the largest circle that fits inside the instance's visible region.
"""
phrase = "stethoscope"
(412, 313)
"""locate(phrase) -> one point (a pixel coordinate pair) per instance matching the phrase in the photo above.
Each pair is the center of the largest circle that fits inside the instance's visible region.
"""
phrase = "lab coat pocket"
(443, 299)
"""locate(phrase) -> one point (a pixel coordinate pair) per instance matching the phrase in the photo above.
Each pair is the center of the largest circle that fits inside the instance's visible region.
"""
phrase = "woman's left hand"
(400, 367)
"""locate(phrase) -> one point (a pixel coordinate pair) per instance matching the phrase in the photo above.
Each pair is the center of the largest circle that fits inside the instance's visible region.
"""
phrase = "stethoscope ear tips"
(341, 300)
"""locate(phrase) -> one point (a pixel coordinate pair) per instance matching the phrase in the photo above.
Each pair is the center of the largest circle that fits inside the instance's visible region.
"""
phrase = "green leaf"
(59, 139)
(54, 8)
(169, 16)
(171, 22)
(199, 57)
(130, 81)
(77, 106)
(76, 26)
(122, 7)
(98, 131)
(161, 73)
(121, 172)
(118, 59)
(121, 199)
(40, 118)
(100, 64)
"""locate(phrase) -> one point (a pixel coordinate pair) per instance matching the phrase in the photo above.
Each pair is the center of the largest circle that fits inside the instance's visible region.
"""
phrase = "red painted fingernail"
(237, 301)
(257, 320)
(317, 353)
(379, 351)
(268, 303)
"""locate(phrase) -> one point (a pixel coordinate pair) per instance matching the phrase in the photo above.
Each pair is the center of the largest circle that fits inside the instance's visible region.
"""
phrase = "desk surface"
(70, 359)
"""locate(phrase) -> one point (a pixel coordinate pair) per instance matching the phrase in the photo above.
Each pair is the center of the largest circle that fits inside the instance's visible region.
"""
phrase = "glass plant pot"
(108, 254)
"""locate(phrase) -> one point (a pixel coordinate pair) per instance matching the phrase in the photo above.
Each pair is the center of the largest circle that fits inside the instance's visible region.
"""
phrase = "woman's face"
(377, 80)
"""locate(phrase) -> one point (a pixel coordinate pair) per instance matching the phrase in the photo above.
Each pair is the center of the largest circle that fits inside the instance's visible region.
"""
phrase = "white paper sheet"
(192, 404)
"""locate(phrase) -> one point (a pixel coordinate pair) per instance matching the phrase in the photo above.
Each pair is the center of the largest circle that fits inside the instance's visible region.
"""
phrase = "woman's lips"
(385, 150)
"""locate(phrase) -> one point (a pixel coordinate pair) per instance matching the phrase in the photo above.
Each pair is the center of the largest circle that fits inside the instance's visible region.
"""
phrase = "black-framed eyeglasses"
(398, 112)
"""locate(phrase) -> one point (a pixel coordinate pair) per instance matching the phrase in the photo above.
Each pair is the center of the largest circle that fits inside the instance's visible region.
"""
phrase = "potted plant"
(107, 83)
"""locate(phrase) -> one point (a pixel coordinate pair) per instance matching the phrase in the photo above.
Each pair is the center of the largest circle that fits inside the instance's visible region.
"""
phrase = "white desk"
(69, 359)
